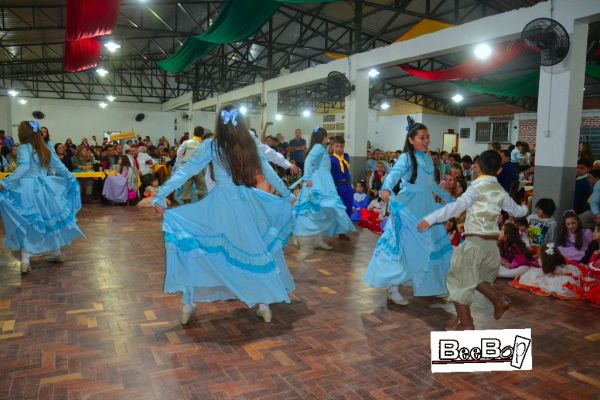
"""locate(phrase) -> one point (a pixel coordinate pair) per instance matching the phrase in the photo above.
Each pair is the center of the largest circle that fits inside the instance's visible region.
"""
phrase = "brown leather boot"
(500, 301)
(464, 321)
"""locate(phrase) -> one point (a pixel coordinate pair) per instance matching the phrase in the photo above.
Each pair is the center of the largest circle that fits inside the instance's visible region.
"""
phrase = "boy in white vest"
(184, 154)
(475, 263)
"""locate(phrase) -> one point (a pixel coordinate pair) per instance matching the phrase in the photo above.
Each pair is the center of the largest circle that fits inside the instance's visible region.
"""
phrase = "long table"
(159, 169)
(100, 175)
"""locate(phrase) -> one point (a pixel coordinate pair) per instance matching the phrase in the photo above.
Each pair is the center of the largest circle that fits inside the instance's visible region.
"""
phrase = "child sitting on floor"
(592, 271)
(360, 201)
(453, 232)
(515, 257)
(574, 239)
(373, 217)
(555, 277)
(149, 194)
(542, 226)
(523, 225)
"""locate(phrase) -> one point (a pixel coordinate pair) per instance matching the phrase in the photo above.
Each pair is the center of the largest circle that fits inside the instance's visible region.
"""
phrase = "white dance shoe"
(320, 244)
(397, 298)
(25, 267)
(265, 314)
(186, 313)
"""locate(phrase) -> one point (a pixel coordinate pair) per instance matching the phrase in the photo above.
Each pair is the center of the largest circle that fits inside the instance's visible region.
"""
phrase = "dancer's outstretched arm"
(197, 163)
(402, 167)
(272, 155)
(23, 165)
(466, 200)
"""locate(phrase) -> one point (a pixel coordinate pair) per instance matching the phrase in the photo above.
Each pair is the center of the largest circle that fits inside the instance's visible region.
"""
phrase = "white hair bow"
(550, 249)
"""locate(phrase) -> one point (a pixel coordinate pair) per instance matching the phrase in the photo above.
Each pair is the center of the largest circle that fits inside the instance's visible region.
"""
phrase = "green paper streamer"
(238, 20)
(521, 86)
(526, 85)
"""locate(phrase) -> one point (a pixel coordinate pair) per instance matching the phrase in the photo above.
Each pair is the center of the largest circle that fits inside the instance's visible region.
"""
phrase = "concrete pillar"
(269, 101)
(560, 103)
(356, 123)
(6, 116)
(191, 123)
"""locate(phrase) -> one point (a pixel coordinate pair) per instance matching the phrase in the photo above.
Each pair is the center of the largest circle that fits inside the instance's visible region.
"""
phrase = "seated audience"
(542, 226)
(556, 277)
(574, 239)
(515, 257)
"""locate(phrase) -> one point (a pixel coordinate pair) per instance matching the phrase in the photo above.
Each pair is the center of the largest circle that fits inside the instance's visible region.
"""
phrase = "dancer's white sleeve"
(275, 181)
(517, 211)
(466, 200)
(272, 155)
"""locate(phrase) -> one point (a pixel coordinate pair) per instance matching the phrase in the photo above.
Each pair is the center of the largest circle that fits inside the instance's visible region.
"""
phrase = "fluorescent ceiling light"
(482, 51)
(102, 72)
(373, 72)
(112, 46)
(457, 98)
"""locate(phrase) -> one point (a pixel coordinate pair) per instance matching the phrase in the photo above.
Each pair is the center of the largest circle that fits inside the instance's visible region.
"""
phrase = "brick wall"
(527, 127)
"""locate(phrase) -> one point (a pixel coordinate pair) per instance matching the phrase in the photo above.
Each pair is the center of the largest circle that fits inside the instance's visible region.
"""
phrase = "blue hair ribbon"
(229, 116)
(316, 130)
(34, 125)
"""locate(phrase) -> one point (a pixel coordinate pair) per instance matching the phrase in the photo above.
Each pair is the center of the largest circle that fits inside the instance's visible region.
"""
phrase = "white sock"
(394, 289)
(25, 257)
(263, 307)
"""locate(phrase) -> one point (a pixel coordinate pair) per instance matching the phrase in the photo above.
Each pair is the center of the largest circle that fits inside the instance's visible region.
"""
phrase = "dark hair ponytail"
(408, 147)
(318, 134)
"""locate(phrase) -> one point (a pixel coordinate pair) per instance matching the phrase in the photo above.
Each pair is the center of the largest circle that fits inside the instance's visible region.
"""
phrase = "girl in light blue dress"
(404, 255)
(230, 244)
(319, 211)
(38, 210)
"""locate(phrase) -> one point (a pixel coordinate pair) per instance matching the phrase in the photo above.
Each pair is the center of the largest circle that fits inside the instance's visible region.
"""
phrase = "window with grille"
(465, 133)
(487, 132)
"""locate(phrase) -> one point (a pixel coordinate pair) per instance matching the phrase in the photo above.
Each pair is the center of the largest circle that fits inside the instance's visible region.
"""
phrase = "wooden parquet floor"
(100, 327)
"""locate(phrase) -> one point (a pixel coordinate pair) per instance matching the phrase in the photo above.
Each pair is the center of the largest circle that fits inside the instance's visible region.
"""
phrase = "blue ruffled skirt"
(404, 255)
(39, 214)
(229, 246)
(319, 210)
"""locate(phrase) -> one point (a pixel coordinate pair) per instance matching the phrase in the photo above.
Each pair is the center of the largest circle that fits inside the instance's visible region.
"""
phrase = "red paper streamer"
(90, 18)
(82, 54)
(86, 21)
(473, 68)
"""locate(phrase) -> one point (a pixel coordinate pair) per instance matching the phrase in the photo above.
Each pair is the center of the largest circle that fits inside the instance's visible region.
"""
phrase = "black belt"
(340, 183)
